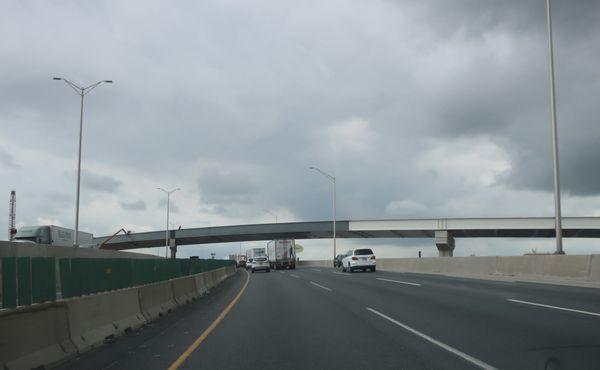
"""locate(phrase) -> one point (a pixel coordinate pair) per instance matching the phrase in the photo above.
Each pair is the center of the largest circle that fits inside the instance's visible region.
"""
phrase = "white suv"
(359, 259)
(261, 263)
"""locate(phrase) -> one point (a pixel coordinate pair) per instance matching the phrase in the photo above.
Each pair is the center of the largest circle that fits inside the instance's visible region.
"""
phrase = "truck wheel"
(293, 267)
(253, 271)
(268, 270)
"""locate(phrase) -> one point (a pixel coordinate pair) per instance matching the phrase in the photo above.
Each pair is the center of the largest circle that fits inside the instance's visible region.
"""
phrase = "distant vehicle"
(282, 254)
(255, 252)
(337, 262)
(241, 263)
(359, 259)
(261, 263)
(249, 263)
(53, 235)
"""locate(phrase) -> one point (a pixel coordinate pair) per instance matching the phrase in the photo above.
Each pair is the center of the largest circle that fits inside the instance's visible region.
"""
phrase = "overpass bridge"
(442, 230)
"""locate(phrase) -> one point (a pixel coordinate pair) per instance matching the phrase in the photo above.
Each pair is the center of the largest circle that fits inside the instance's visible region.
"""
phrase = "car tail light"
(354, 258)
(372, 257)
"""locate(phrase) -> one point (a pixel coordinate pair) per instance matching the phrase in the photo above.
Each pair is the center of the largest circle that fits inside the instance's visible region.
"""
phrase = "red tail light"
(354, 258)
(372, 257)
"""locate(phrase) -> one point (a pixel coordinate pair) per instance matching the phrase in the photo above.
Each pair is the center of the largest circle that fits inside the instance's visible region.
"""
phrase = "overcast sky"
(422, 109)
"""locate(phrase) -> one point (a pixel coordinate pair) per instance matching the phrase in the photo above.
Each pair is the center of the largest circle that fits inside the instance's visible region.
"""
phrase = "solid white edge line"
(295, 276)
(321, 286)
(398, 281)
(453, 350)
(554, 307)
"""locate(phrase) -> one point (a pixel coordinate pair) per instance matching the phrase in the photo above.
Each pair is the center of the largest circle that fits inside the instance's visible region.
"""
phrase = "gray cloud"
(136, 205)
(173, 208)
(98, 182)
(6, 159)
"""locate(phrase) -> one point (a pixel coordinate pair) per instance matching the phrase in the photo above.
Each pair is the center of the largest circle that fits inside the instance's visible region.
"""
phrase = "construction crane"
(12, 215)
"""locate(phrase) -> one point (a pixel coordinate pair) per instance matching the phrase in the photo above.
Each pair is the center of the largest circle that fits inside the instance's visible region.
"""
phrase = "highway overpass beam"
(444, 242)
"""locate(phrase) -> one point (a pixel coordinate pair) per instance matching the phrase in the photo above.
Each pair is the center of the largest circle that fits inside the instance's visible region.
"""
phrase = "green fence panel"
(9, 282)
(24, 280)
(43, 279)
(66, 280)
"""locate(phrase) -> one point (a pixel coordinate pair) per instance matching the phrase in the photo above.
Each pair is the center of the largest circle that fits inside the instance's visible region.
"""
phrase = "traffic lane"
(502, 333)
(157, 344)
(580, 298)
(283, 322)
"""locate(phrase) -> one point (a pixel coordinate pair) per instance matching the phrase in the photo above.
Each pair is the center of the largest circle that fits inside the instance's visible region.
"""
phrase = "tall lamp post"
(81, 91)
(332, 179)
(557, 211)
(272, 214)
(168, 192)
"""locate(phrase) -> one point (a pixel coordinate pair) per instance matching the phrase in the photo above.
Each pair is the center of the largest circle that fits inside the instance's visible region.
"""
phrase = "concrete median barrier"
(550, 268)
(43, 335)
(156, 299)
(35, 336)
(201, 286)
(94, 318)
(184, 289)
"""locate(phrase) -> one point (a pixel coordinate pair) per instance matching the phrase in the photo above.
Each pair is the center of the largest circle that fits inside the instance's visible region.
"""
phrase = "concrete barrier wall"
(156, 299)
(184, 289)
(94, 318)
(34, 336)
(577, 268)
(12, 249)
(42, 335)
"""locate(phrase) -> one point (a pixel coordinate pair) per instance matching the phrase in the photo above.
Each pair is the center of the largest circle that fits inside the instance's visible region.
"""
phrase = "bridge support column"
(444, 242)
(173, 247)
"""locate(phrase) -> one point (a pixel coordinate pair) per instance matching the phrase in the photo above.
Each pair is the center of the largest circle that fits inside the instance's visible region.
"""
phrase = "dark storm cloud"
(137, 205)
(98, 182)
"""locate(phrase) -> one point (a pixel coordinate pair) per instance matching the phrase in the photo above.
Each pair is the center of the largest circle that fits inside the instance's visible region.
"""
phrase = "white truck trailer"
(53, 235)
(282, 254)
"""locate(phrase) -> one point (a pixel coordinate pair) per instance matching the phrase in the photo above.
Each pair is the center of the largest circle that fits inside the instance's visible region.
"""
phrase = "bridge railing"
(28, 280)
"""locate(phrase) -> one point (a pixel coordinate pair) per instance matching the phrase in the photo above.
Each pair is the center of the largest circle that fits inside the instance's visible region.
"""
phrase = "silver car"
(261, 264)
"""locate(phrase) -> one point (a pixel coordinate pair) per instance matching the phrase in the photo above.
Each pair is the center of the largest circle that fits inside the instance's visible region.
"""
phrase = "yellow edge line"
(208, 330)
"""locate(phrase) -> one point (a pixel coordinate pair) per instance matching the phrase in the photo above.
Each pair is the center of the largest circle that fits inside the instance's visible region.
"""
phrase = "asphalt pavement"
(321, 318)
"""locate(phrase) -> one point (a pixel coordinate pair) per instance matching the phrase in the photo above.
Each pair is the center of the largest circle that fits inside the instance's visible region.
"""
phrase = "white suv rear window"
(362, 252)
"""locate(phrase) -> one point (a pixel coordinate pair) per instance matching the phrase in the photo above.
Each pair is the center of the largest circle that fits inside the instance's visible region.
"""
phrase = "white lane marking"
(317, 270)
(341, 273)
(453, 350)
(398, 281)
(295, 276)
(555, 307)
(321, 286)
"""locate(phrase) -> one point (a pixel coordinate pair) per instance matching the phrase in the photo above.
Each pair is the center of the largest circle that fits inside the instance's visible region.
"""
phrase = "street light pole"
(332, 179)
(168, 211)
(81, 91)
(557, 210)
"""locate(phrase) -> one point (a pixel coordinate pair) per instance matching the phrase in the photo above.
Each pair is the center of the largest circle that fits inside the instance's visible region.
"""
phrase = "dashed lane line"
(448, 348)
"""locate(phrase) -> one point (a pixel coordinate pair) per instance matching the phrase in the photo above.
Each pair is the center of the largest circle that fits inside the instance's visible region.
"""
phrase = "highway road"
(320, 318)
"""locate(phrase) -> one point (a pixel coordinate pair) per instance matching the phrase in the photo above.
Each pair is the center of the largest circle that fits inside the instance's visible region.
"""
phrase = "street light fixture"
(81, 91)
(272, 214)
(168, 192)
(332, 179)
(557, 211)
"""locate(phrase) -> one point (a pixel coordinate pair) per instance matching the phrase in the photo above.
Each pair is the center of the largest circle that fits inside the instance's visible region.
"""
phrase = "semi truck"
(282, 254)
(53, 235)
